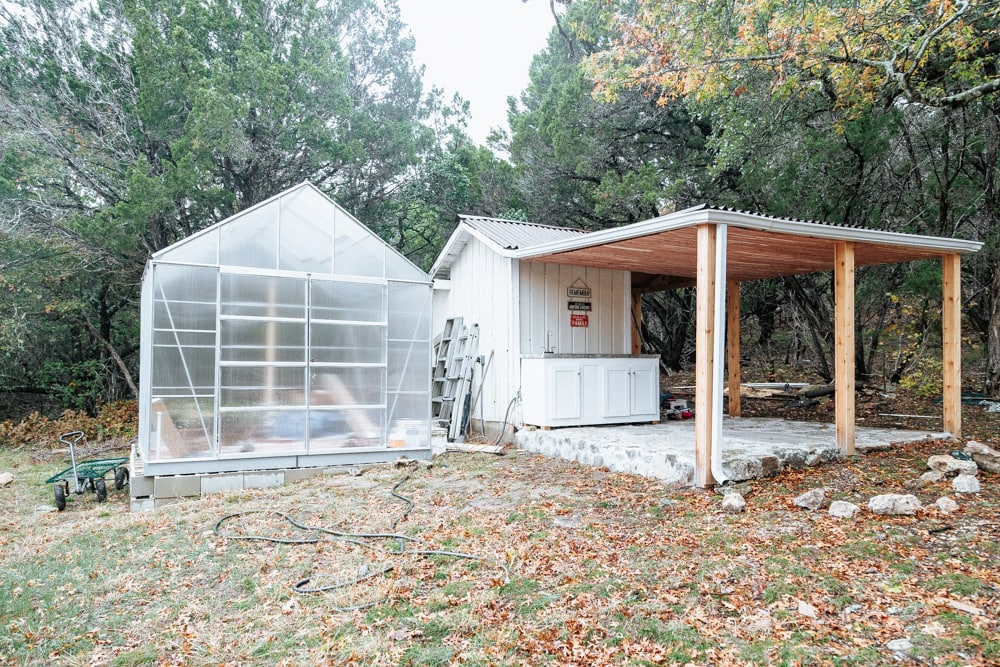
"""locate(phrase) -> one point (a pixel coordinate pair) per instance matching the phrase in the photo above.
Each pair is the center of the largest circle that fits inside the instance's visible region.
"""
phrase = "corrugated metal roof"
(514, 234)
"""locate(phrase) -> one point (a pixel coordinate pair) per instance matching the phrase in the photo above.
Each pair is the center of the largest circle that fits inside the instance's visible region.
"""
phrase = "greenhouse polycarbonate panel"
(182, 373)
(346, 301)
(306, 232)
(410, 308)
(351, 386)
(245, 295)
(251, 239)
(183, 370)
(262, 386)
(346, 343)
(259, 433)
(263, 341)
(343, 428)
(399, 268)
(356, 251)
(409, 367)
(203, 249)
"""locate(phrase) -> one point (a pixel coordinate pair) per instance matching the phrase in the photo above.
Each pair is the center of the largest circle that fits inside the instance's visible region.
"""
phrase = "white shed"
(554, 313)
(287, 336)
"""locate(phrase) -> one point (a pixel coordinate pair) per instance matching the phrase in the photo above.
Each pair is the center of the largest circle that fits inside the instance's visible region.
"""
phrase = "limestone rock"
(894, 503)
(950, 465)
(733, 503)
(6, 479)
(965, 484)
(902, 645)
(946, 505)
(985, 456)
(932, 476)
(843, 509)
(810, 500)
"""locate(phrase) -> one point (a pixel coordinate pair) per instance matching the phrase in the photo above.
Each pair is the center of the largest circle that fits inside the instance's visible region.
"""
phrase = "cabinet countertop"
(555, 355)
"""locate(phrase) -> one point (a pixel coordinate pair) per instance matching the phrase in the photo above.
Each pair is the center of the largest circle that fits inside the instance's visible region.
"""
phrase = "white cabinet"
(576, 391)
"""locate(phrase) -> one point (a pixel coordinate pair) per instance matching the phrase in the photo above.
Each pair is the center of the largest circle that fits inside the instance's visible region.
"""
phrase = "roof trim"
(704, 215)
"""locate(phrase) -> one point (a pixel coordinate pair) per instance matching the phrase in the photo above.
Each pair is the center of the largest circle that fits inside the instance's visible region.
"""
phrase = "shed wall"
(482, 292)
(544, 308)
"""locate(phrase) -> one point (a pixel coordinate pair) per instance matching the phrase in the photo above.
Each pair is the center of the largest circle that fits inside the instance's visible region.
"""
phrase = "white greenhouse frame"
(286, 336)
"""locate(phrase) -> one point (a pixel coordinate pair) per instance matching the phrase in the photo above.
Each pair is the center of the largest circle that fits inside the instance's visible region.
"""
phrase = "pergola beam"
(951, 343)
(843, 287)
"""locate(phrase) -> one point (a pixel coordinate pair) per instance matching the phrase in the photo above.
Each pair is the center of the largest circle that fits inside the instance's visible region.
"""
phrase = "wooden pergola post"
(733, 346)
(843, 289)
(704, 356)
(951, 343)
(636, 321)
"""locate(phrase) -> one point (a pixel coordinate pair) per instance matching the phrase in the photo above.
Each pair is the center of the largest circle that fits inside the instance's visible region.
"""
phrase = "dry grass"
(605, 569)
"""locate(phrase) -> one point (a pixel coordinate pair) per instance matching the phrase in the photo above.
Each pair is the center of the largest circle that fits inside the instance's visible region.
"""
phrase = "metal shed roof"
(504, 236)
(758, 246)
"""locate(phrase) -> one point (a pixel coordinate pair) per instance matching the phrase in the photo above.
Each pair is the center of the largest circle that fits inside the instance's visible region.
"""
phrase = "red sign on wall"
(576, 320)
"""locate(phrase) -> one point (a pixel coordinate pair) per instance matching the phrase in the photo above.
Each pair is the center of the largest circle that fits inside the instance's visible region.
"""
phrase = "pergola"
(717, 249)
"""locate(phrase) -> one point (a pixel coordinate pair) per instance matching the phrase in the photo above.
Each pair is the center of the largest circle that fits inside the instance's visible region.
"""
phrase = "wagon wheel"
(121, 478)
(60, 497)
(101, 489)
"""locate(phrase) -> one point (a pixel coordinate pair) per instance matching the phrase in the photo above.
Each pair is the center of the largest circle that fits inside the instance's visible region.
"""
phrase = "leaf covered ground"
(604, 569)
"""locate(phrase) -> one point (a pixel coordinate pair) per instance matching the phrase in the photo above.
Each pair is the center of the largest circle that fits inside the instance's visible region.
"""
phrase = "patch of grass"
(955, 582)
(430, 656)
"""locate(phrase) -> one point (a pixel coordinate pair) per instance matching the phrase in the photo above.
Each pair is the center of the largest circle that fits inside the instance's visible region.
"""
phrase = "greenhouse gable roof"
(298, 230)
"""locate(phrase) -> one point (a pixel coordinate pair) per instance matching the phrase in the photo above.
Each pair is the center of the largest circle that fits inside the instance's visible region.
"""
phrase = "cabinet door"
(565, 393)
(645, 392)
(616, 390)
(591, 401)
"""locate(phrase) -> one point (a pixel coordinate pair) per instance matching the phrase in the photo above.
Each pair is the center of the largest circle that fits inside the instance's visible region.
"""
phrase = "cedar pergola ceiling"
(752, 254)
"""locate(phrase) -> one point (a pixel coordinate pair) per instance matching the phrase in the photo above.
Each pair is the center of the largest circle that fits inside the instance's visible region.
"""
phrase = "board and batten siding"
(544, 308)
(481, 290)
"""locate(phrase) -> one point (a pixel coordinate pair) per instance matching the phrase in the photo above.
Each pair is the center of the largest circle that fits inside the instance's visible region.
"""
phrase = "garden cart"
(86, 475)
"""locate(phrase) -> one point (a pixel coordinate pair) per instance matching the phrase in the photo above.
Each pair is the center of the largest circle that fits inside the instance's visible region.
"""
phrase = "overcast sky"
(480, 49)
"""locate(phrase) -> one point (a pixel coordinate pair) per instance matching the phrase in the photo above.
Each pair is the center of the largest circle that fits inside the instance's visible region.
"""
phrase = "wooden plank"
(951, 343)
(704, 356)
(844, 348)
(733, 346)
(636, 322)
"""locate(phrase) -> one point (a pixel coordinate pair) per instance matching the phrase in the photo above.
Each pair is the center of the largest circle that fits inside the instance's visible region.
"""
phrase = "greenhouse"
(287, 336)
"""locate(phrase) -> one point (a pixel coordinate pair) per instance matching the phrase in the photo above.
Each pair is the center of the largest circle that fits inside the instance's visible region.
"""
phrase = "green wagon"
(86, 475)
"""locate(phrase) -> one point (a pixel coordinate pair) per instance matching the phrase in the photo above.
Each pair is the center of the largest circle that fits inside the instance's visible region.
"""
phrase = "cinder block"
(298, 474)
(140, 486)
(143, 505)
(163, 502)
(263, 480)
(179, 486)
(221, 482)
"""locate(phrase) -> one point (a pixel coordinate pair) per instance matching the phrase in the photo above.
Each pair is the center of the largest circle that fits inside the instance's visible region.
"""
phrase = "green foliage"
(135, 123)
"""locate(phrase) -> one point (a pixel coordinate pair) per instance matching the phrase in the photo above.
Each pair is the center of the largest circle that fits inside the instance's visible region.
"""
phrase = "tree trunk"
(993, 340)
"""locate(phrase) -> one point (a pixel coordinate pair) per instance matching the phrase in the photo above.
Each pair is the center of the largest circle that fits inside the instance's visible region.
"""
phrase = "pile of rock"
(962, 466)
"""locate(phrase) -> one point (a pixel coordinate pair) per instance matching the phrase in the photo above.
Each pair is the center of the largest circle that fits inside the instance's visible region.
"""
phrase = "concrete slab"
(751, 447)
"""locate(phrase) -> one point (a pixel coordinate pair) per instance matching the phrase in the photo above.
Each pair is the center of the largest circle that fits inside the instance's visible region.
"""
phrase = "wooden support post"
(733, 346)
(704, 356)
(843, 288)
(636, 322)
(951, 343)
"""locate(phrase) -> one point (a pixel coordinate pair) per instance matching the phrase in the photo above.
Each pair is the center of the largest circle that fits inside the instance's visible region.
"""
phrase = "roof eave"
(697, 216)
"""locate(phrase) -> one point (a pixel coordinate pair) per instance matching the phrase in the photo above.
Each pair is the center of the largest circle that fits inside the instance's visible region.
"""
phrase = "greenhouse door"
(302, 364)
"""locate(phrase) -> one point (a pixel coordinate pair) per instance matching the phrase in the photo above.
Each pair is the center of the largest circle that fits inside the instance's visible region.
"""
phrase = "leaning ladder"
(463, 382)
